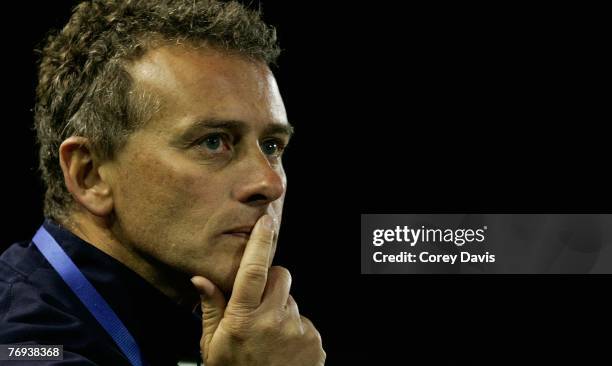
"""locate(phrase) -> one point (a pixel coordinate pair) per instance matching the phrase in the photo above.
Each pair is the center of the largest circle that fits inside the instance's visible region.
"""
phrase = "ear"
(81, 175)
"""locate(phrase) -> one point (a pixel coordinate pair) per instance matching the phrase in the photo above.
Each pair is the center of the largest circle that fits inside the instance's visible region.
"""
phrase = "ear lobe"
(80, 168)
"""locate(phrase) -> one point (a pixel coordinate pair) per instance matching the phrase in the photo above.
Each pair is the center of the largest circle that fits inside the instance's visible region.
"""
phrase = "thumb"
(213, 308)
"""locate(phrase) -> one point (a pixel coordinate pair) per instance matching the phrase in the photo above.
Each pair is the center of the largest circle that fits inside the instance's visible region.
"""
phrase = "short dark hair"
(84, 88)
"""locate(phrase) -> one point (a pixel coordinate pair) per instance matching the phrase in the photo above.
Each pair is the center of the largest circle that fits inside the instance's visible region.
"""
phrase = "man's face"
(190, 184)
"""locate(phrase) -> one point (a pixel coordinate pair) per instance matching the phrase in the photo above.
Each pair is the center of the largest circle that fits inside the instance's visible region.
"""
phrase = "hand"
(261, 324)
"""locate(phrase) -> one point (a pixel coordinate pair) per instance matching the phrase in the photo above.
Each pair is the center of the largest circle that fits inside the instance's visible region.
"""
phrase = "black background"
(445, 108)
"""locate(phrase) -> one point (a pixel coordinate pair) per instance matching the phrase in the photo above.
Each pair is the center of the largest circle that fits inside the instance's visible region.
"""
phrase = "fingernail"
(267, 222)
(205, 286)
(195, 282)
(198, 286)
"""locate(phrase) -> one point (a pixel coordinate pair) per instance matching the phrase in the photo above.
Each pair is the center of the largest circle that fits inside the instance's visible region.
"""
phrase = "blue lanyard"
(88, 295)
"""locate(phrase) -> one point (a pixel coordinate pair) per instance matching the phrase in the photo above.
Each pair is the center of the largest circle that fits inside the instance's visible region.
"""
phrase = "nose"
(259, 181)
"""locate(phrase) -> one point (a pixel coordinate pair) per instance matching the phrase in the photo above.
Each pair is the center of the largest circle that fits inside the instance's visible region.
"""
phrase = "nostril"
(256, 198)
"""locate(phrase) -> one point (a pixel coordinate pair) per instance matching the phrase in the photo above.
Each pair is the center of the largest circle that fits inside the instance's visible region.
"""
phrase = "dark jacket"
(37, 307)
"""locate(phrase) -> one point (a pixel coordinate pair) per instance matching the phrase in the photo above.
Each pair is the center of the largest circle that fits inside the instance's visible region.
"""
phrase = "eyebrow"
(234, 126)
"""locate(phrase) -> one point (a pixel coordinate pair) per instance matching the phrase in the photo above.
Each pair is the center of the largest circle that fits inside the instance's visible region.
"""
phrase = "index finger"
(253, 271)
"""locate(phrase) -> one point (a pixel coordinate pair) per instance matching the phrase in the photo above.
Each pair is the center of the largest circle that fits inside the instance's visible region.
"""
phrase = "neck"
(98, 232)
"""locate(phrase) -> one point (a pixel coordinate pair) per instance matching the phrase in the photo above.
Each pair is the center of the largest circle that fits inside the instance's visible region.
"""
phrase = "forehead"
(205, 83)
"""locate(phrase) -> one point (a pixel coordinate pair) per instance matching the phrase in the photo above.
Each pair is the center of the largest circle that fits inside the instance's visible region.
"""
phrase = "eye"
(273, 147)
(216, 143)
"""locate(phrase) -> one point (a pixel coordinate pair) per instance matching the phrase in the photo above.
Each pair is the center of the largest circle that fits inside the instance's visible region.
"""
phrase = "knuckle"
(291, 304)
(306, 321)
(238, 328)
(310, 331)
(314, 336)
(239, 312)
(210, 313)
(263, 241)
(255, 271)
(281, 273)
(292, 311)
(317, 336)
(278, 323)
(323, 356)
(269, 324)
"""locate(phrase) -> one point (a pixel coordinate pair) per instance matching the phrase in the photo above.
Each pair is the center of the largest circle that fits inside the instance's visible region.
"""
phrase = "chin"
(221, 269)
(226, 288)
(224, 280)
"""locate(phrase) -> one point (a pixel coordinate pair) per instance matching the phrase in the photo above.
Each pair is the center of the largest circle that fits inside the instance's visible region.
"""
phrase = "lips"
(241, 232)
(239, 235)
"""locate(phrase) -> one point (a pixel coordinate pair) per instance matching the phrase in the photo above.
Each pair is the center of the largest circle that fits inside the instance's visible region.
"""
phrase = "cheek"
(163, 207)
(161, 191)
